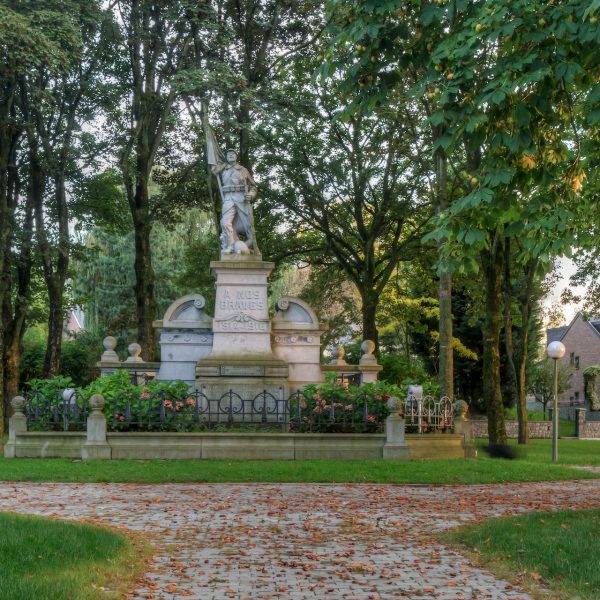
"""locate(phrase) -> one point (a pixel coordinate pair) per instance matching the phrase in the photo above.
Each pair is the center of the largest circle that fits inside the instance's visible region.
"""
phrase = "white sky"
(566, 269)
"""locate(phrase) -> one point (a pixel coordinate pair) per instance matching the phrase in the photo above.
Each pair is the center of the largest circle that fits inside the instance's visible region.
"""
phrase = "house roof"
(556, 334)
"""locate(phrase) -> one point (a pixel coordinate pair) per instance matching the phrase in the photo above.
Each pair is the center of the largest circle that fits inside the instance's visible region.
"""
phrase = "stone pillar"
(96, 446)
(580, 422)
(395, 447)
(109, 361)
(464, 427)
(368, 366)
(16, 424)
(242, 359)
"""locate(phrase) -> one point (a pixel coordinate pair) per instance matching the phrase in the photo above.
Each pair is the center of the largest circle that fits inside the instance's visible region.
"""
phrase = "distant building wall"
(582, 341)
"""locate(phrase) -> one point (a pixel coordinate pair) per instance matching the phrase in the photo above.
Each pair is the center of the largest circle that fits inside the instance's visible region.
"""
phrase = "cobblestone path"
(293, 541)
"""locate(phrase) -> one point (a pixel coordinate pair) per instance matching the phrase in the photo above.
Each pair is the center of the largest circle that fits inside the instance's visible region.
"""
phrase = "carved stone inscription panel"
(243, 299)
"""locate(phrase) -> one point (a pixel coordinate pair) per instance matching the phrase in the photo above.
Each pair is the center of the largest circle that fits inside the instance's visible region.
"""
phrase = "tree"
(161, 38)
(541, 383)
(34, 39)
(507, 81)
(101, 283)
(351, 187)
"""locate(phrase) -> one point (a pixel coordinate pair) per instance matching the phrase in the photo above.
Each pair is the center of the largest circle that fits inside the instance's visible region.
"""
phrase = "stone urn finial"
(460, 408)
(338, 356)
(394, 405)
(134, 353)
(18, 404)
(97, 403)
(109, 354)
(368, 358)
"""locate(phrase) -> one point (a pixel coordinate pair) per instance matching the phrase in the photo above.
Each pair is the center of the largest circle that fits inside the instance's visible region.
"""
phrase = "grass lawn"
(570, 452)
(556, 550)
(480, 470)
(46, 559)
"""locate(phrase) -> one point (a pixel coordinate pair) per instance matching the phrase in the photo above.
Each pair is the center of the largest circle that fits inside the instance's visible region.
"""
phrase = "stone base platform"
(241, 446)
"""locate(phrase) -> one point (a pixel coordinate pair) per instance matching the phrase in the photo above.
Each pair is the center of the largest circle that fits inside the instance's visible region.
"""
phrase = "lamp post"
(555, 351)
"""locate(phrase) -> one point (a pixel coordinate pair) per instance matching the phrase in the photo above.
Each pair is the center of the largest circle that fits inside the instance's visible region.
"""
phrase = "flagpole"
(206, 127)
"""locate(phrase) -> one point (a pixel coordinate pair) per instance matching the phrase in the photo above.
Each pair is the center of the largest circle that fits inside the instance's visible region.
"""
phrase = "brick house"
(582, 341)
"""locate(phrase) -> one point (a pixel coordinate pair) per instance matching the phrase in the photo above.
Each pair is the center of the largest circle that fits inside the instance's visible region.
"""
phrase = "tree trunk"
(369, 323)
(56, 319)
(244, 124)
(492, 268)
(7, 144)
(446, 369)
(526, 308)
(446, 351)
(508, 324)
(144, 272)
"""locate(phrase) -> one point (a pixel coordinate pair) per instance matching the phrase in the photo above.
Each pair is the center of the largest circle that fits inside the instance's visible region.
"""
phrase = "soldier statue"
(238, 190)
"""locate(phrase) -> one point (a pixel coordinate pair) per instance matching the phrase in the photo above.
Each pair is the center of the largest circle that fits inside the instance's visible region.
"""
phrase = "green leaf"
(567, 71)
(496, 177)
(521, 115)
(437, 118)
(594, 117)
(594, 95)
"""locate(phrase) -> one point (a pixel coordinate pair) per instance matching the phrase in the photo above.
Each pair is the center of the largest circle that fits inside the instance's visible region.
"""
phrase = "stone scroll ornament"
(237, 190)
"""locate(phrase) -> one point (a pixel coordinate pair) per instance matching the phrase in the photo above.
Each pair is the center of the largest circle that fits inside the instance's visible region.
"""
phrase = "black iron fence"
(359, 413)
(156, 412)
(62, 411)
(337, 414)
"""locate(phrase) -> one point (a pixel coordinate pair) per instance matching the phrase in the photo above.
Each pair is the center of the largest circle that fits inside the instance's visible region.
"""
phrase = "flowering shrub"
(329, 407)
(154, 405)
(49, 408)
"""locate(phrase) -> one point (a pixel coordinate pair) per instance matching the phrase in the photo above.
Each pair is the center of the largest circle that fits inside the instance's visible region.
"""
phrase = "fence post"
(368, 367)
(96, 446)
(16, 424)
(395, 447)
(580, 422)
(464, 427)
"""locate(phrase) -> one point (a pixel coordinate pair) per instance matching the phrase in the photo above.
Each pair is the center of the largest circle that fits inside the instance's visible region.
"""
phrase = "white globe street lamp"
(555, 351)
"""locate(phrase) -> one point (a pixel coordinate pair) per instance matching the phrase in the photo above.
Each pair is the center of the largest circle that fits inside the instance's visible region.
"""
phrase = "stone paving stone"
(301, 541)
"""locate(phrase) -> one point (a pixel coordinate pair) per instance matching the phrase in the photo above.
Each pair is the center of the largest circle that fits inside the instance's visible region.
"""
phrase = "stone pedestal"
(96, 446)
(242, 359)
(16, 424)
(463, 426)
(395, 447)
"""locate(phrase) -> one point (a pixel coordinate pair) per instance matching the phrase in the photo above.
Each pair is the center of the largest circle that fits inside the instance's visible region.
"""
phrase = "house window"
(576, 397)
(572, 358)
(577, 363)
